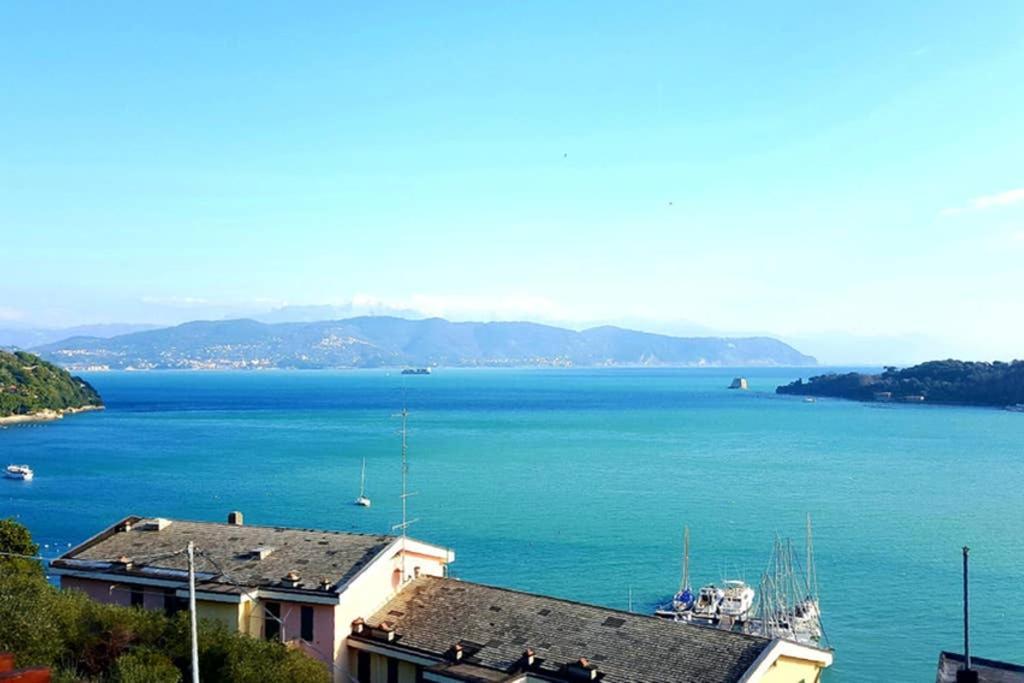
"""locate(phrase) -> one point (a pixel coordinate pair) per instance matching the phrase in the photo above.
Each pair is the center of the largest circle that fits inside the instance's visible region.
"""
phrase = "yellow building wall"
(249, 621)
(792, 670)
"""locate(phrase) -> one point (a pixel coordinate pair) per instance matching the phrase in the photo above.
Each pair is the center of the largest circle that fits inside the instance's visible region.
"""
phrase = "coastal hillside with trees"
(995, 384)
(31, 386)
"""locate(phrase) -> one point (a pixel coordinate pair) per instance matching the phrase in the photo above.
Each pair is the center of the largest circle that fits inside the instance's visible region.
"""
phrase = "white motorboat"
(705, 608)
(363, 500)
(737, 601)
(22, 472)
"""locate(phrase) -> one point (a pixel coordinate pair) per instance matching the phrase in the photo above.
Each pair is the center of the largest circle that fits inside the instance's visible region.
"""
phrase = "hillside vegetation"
(943, 381)
(89, 642)
(396, 342)
(29, 385)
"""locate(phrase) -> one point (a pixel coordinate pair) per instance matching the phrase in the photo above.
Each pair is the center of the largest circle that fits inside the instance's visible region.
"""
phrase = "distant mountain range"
(378, 341)
(28, 337)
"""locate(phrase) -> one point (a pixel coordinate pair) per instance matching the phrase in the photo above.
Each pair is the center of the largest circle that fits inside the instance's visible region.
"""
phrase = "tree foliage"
(16, 540)
(28, 384)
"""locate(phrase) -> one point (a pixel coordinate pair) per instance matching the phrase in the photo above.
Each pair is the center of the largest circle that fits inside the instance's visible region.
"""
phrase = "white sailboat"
(681, 606)
(363, 500)
(789, 606)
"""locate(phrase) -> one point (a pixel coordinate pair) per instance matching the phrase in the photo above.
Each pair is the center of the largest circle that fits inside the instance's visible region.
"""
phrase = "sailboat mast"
(686, 559)
(362, 480)
(812, 580)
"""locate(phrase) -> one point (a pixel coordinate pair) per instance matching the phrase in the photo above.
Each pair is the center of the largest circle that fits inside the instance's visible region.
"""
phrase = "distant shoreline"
(399, 368)
(46, 415)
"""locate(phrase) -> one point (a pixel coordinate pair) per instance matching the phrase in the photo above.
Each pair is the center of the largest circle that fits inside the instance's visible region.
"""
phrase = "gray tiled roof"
(989, 670)
(432, 614)
(312, 554)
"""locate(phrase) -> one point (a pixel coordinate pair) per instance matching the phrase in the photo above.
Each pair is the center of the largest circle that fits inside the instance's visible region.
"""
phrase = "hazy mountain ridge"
(28, 337)
(378, 341)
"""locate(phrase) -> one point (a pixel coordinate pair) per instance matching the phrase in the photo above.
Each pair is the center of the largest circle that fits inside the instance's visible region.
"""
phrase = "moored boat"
(737, 601)
(788, 604)
(679, 608)
(363, 500)
(22, 472)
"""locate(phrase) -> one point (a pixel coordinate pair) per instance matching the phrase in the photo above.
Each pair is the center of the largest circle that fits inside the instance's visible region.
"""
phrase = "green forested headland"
(941, 381)
(28, 385)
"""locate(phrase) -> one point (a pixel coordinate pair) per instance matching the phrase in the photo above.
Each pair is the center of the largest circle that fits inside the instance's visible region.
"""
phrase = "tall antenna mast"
(404, 526)
(405, 475)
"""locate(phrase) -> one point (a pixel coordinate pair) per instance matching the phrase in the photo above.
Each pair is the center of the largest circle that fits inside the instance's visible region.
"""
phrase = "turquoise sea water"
(577, 483)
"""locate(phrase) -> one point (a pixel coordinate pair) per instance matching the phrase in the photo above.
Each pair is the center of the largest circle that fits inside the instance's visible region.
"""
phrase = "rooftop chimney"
(456, 652)
(124, 562)
(582, 670)
(326, 584)
(155, 524)
(291, 579)
(384, 631)
(235, 518)
(357, 625)
(966, 674)
(529, 657)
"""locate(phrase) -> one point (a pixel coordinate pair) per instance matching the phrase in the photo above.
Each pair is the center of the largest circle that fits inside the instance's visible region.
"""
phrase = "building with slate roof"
(378, 609)
(302, 586)
(439, 629)
(951, 670)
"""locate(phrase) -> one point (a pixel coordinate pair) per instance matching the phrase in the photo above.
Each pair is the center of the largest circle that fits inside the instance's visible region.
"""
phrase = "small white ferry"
(23, 472)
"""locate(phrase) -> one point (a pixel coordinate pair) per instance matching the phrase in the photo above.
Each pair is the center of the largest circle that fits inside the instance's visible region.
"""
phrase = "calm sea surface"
(577, 483)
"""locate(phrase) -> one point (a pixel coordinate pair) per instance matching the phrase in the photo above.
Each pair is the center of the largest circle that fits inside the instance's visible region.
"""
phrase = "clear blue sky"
(792, 168)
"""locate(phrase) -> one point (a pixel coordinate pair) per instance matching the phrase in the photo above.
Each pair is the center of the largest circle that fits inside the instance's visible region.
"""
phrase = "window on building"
(173, 604)
(307, 623)
(363, 667)
(138, 596)
(419, 674)
(396, 578)
(272, 621)
(392, 670)
(416, 572)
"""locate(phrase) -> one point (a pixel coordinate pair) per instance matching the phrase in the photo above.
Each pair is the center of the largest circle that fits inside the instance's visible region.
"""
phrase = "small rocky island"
(33, 390)
(943, 381)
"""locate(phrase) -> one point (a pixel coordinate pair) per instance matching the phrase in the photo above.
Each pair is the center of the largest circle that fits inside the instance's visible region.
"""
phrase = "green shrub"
(145, 666)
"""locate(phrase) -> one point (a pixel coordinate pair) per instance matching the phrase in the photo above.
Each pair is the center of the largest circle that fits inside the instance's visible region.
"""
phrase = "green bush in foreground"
(86, 641)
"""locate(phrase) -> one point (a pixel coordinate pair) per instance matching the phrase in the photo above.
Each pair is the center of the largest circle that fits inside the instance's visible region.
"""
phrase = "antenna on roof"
(966, 674)
(406, 522)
